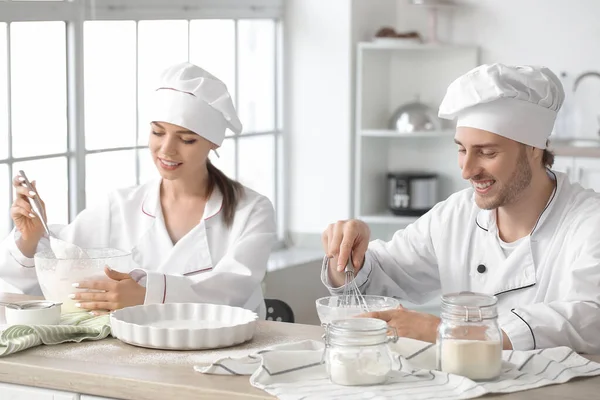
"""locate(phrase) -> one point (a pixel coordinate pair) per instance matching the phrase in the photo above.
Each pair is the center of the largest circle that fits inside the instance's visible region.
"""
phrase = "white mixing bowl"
(330, 309)
(56, 277)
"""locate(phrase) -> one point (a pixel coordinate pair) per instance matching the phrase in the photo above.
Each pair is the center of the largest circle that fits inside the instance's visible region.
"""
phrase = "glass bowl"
(329, 308)
(56, 277)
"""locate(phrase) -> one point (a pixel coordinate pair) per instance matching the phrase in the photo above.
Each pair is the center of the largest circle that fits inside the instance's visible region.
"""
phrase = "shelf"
(410, 45)
(388, 133)
(575, 147)
(387, 218)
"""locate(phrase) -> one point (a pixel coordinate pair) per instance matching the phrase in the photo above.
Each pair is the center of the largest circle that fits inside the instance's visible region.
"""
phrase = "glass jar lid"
(356, 332)
(469, 306)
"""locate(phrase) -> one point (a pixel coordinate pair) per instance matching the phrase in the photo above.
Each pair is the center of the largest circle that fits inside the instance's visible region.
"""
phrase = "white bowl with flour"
(56, 276)
(330, 308)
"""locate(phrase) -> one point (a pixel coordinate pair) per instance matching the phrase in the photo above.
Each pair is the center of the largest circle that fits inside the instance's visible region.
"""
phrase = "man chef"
(521, 232)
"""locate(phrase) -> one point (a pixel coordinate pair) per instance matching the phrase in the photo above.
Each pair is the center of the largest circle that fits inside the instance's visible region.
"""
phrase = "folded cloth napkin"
(294, 371)
(74, 327)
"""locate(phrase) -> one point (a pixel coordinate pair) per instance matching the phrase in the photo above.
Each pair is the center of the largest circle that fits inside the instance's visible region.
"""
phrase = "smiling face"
(499, 169)
(177, 152)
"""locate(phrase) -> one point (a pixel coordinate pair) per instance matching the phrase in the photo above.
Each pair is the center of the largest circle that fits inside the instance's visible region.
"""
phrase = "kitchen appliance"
(412, 194)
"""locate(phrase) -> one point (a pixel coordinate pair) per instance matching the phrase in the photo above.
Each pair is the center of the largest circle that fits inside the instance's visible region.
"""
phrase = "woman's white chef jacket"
(212, 263)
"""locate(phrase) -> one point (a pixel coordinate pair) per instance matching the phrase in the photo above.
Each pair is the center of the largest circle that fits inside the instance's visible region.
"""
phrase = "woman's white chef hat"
(192, 98)
(517, 102)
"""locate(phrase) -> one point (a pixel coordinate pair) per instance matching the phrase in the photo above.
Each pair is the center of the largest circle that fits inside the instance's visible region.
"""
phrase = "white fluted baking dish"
(183, 326)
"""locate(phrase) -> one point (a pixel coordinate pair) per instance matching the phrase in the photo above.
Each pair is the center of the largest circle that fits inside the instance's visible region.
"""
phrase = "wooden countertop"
(111, 368)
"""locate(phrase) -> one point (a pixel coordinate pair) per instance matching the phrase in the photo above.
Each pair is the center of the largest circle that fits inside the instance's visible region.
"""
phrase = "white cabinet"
(9, 391)
(588, 172)
(389, 75)
(584, 170)
(564, 164)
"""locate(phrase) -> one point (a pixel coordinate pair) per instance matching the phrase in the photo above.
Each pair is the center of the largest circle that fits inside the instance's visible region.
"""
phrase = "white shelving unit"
(388, 75)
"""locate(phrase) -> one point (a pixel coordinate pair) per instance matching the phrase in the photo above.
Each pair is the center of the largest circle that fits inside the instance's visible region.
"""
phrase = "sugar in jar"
(469, 340)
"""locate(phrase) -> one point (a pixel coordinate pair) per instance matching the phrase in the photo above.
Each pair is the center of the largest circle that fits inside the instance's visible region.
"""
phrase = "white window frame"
(75, 12)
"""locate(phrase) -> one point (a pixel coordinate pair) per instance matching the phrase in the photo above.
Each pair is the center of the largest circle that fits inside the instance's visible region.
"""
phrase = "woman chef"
(523, 232)
(196, 235)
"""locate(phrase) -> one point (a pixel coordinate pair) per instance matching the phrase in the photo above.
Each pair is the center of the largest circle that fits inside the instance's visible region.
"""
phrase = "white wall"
(563, 35)
(319, 42)
(317, 118)
(299, 286)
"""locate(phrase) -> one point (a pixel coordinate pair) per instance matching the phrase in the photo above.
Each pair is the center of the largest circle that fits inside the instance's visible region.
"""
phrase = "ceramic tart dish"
(183, 326)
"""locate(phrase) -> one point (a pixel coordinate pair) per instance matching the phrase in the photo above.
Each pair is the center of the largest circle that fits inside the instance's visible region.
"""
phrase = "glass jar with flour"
(469, 340)
(356, 351)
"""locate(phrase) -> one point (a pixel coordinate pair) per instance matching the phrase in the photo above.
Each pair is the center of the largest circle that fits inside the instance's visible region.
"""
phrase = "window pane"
(257, 164)
(109, 85)
(226, 160)
(256, 44)
(105, 172)
(212, 47)
(160, 45)
(5, 181)
(147, 168)
(51, 179)
(3, 95)
(39, 88)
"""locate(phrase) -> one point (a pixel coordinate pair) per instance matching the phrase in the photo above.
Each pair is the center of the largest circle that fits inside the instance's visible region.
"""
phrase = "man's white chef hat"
(188, 96)
(517, 102)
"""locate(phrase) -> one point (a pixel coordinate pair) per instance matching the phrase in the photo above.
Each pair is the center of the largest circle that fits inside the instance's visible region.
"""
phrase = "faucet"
(584, 75)
(578, 81)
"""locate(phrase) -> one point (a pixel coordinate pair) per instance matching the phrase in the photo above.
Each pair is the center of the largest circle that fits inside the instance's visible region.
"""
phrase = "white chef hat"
(517, 102)
(188, 96)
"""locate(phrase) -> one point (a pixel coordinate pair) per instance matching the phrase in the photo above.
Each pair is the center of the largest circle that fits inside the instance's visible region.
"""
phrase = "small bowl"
(329, 308)
(33, 316)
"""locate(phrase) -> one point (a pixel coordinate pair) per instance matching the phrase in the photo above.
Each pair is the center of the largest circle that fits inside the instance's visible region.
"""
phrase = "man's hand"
(118, 292)
(410, 324)
(421, 326)
(343, 240)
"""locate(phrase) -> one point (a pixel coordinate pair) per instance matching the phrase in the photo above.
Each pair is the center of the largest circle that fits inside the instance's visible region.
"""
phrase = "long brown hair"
(231, 190)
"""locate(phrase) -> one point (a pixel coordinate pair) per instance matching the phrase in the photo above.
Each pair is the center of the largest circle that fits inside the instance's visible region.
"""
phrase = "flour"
(57, 284)
(113, 351)
(474, 359)
(358, 369)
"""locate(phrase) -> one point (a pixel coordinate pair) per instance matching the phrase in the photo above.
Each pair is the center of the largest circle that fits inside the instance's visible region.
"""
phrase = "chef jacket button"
(481, 268)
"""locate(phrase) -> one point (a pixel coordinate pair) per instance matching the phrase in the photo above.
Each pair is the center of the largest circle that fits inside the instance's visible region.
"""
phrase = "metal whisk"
(351, 295)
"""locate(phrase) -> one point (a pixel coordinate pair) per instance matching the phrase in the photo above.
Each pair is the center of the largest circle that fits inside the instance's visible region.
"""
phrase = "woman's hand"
(25, 219)
(119, 292)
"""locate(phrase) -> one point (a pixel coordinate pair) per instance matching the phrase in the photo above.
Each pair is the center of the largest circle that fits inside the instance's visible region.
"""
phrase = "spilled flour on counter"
(114, 351)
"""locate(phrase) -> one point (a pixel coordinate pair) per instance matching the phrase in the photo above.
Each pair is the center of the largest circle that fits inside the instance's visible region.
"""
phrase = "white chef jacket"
(548, 288)
(212, 263)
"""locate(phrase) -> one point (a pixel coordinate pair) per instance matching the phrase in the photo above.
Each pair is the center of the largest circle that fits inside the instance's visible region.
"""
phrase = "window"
(73, 83)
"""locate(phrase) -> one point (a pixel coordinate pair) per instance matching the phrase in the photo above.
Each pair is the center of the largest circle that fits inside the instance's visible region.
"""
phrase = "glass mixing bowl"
(56, 277)
(329, 308)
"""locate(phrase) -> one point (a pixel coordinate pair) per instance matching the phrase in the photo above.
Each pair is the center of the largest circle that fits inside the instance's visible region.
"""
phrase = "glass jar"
(356, 351)
(469, 340)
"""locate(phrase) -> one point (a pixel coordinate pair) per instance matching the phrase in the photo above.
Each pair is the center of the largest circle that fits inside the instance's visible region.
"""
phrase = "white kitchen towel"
(294, 371)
